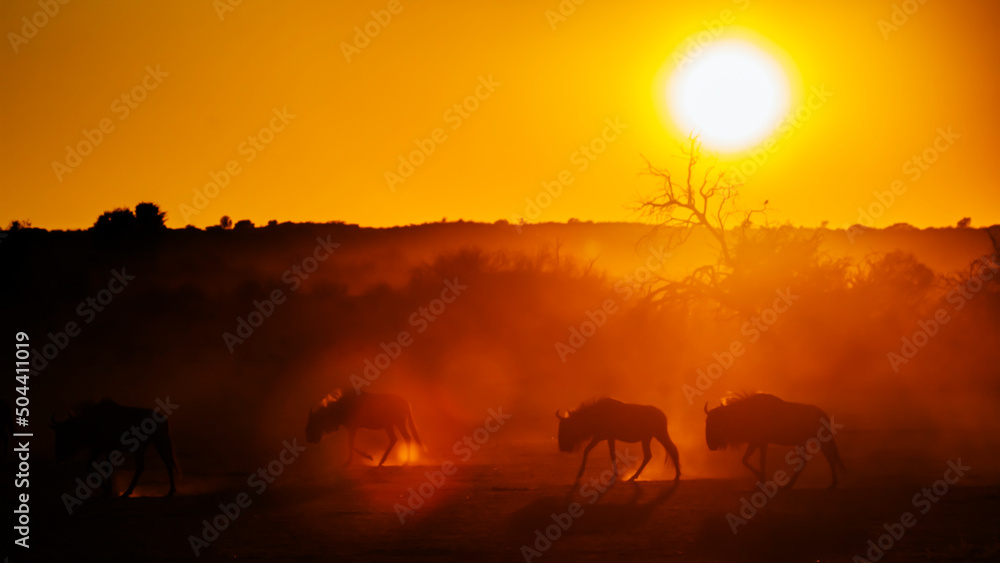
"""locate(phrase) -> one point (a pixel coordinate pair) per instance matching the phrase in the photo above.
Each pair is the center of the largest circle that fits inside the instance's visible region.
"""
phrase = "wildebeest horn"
(561, 416)
(706, 407)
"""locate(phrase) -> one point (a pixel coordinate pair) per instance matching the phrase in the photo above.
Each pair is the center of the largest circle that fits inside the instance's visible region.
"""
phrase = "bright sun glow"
(732, 95)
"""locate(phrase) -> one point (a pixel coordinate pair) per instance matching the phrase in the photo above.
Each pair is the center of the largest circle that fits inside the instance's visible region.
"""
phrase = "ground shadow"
(796, 525)
(619, 509)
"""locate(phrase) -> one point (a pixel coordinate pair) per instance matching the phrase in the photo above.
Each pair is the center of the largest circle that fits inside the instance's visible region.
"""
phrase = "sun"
(732, 94)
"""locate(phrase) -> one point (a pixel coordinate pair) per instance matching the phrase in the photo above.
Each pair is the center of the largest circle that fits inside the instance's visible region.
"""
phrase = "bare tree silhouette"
(16, 225)
(683, 205)
(994, 233)
(755, 258)
(705, 199)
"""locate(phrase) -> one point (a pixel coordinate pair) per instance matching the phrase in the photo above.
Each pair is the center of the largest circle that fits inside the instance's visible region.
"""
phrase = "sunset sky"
(342, 117)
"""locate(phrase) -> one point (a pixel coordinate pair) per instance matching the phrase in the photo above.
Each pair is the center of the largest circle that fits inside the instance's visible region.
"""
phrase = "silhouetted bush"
(115, 223)
(149, 218)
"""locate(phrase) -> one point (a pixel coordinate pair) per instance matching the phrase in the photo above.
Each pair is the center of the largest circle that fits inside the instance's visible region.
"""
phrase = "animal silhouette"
(372, 411)
(106, 426)
(609, 420)
(759, 419)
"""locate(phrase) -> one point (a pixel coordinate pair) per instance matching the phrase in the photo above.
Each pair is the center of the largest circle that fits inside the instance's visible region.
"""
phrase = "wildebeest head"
(570, 431)
(70, 436)
(329, 417)
(715, 428)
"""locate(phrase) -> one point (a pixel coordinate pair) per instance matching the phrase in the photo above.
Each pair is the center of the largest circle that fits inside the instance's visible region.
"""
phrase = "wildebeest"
(106, 426)
(608, 419)
(759, 419)
(373, 411)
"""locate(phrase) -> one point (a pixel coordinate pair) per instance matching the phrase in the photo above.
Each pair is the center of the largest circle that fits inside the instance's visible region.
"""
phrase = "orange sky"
(225, 79)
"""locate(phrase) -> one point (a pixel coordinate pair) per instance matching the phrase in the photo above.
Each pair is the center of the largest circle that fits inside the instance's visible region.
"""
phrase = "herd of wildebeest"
(103, 428)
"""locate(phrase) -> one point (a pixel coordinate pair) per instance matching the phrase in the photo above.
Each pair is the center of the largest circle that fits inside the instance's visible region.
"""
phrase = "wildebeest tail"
(169, 449)
(668, 445)
(173, 460)
(831, 450)
(413, 428)
(835, 453)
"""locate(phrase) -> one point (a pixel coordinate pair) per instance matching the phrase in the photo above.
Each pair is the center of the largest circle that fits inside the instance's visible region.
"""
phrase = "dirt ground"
(318, 511)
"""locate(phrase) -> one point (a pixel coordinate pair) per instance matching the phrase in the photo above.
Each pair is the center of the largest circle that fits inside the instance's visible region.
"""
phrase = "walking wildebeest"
(608, 419)
(106, 426)
(373, 411)
(759, 419)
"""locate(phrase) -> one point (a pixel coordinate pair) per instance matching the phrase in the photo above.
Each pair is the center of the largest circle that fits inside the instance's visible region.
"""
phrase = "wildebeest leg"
(140, 464)
(406, 437)
(106, 482)
(166, 451)
(392, 442)
(614, 459)
(647, 454)
(795, 474)
(829, 451)
(586, 452)
(350, 446)
(751, 448)
(763, 462)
